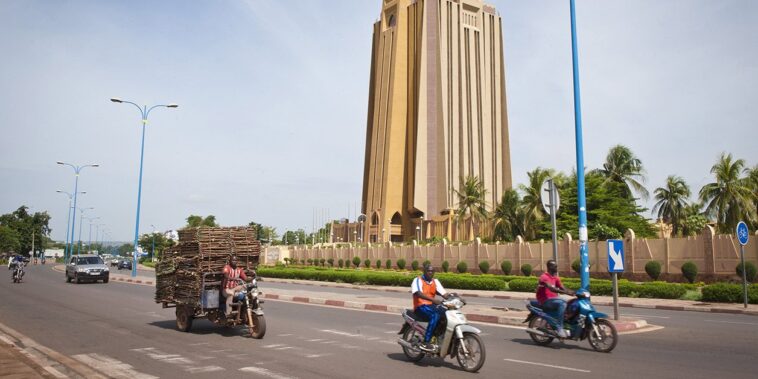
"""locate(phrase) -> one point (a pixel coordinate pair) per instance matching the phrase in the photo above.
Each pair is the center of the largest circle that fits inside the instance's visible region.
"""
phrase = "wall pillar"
(629, 253)
(708, 250)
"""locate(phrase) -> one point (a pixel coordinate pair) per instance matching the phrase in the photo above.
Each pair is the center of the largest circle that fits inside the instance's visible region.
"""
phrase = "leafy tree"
(258, 229)
(694, 221)
(125, 249)
(9, 240)
(27, 227)
(509, 217)
(533, 212)
(752, 182)
(672, 201)
(161, 243)
(194, 221)
(471, 200)
(730, 198)
(623, 167)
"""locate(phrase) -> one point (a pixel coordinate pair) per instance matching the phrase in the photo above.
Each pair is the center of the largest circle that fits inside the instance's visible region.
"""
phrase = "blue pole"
(139, 192)
(73, 216)
(79, 240)
(584, 259)
(68, 223)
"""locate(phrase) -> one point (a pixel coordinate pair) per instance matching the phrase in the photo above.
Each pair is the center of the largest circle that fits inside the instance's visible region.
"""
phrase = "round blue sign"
(742, 233)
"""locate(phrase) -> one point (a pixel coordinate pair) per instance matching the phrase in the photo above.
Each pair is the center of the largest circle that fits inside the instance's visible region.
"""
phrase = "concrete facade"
(436, 113)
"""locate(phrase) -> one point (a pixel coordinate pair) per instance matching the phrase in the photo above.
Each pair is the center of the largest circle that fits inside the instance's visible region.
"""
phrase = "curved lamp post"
(81, 216)
(144, 112)
(77, 170)
(68, 220)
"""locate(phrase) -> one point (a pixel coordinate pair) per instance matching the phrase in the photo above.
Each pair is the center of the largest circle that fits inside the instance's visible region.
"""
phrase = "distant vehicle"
(125, 264)
(87, 268)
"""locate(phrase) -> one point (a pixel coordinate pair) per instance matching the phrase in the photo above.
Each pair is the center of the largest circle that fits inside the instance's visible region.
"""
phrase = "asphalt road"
(118, 328)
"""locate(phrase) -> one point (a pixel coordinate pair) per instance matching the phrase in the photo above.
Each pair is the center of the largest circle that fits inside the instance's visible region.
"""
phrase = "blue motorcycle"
(581, 321)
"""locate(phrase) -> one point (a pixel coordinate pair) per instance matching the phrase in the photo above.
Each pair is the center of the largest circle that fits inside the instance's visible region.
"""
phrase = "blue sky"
(273, 97)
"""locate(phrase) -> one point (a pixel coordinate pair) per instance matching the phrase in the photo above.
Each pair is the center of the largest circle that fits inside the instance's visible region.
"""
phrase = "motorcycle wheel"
(539, 323)
(474, 360)
(258, 330)
(414, 355)
(606, 339)
(184, 318)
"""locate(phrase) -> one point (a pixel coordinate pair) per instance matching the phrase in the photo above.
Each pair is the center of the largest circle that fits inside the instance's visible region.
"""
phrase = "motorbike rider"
(425, 303)
(547, 295)
(232, 276)
(14, 261)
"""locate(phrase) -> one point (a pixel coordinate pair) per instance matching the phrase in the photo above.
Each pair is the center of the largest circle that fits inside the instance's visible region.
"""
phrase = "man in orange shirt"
(425, 304)
(230, 284)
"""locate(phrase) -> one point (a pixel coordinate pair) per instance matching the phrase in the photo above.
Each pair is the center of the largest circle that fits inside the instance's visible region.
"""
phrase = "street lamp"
(81, 216)
(418, 233)
(89, 245)
(422, 228)
(144, 111)
(152, 252)
(68, 221)
(77, 170)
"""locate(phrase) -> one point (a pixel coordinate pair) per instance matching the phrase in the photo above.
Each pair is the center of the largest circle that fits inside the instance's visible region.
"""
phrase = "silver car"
(87, 268)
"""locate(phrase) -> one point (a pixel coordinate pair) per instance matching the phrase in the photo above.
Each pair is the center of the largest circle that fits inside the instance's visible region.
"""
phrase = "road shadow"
(555, 345)
(425, 362)
(204, 327)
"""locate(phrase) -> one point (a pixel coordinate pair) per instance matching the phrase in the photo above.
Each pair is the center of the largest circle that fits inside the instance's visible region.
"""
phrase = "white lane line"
(328, 342)
(390, 332)
(200, 343)
(317, 355)
(111, 367)
(285, 335)
(341, 333)
(733, 322)
(265, 372)
(316, 340)
(55, 372)
(644, 316)
(546, 365)
(274, 345)
(285, 348)
(195, 370)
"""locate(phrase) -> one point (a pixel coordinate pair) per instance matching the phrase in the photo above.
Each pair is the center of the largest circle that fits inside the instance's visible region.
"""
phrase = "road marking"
(274, 345)
(112, 367)
(733, 322)
(285, 335)
(195, 370)
(546, 365)
(265, 372)
(317, 355)
(315, 340)
(285, 348)
(55, 372)
(200, 343)
(176, 359)
(644, 316)
(390, 332)
(341, 333)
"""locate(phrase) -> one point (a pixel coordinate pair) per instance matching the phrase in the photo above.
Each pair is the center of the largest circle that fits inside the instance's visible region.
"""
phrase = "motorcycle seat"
(415, 316)
(535, 304)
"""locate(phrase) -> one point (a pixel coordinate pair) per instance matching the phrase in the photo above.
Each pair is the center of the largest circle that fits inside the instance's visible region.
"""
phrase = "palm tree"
(730, 198)
(672, 201)
(509, 216)
(532, 201)
(752, 179)
(471, 200)
(621, 166)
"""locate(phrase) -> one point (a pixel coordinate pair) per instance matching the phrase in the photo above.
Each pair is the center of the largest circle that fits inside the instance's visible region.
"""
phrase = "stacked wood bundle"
(202, 253)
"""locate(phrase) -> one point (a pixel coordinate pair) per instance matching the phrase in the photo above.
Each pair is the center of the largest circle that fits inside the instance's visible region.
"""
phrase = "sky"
(273, 99)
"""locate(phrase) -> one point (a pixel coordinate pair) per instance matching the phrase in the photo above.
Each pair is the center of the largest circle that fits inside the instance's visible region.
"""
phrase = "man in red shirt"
(547, 295)
(230, 284)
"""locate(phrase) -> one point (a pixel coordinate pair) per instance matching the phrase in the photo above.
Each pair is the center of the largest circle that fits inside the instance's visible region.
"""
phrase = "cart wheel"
(184, 316)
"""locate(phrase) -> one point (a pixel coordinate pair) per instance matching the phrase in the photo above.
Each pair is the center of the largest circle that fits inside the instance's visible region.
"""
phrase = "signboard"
(615, 256)
(742, 233)
(545, 197)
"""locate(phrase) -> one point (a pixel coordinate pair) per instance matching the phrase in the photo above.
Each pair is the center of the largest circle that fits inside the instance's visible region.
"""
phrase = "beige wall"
(670, 252)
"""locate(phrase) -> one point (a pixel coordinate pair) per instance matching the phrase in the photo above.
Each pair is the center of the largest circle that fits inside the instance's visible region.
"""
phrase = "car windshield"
(89, 261)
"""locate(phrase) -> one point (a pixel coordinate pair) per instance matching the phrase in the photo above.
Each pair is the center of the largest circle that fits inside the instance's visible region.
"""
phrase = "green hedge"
(729, 293)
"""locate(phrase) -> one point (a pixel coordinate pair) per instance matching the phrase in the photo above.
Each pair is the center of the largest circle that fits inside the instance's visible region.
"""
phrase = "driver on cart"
(231, 283)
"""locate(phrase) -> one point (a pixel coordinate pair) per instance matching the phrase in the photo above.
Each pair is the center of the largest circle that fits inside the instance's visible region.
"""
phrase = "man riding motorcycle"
(547, 296)
(230, 285)
(425, 304)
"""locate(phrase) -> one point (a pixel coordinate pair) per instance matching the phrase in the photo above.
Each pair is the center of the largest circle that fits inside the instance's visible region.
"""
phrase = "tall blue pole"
(139, 192)
(68, 223)
(73, 217)
(79, 240)
(584, 259)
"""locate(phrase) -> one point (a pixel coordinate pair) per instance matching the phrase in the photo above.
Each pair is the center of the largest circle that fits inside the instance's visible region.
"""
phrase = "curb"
(621, 326)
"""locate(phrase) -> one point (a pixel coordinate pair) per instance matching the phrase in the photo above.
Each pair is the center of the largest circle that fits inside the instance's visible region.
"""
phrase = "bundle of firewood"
(202, 253)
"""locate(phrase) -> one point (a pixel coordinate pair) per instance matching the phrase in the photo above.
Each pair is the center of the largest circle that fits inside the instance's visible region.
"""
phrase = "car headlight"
(80, 270)
(106, 269)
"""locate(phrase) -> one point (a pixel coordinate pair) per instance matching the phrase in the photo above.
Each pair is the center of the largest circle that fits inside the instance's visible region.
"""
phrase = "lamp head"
(116, 100)
(59, 162)
(172, 105)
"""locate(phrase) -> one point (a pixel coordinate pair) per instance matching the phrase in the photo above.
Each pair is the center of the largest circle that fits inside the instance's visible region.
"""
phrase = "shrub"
(689, 270)
(462, 267)
(576, 265)
(341, 263)
(653, 269)
(750, 272)
(367, 263)
(388, 264)
(401, 264)
(310, 261)
(506, 266)
(414, 265)
(523, 285)
(526, 269)
(322, 260)
(660, 290)
(302, 261)
(445, 266)
(484, 266)
(729, 293)
(356, 261)
(378, 263)
(331, 262)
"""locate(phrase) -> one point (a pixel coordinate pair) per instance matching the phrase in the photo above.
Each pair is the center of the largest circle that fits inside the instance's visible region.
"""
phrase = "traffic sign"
(545, 197)
(615, 256)
(742, 233)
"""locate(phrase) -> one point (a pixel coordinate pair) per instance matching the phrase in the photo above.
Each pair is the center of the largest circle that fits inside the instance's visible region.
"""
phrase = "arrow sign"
(615, 256)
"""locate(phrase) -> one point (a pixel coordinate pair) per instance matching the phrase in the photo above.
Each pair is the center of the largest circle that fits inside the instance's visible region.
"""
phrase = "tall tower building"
(436, 112)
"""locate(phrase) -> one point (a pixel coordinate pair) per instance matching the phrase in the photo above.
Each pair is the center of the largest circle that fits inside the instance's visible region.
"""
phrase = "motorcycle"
(453, 336)
(18, 272)
(581, 321)
(246, 309)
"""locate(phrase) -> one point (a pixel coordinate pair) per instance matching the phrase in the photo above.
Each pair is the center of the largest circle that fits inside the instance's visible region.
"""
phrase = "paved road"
(118, 327)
